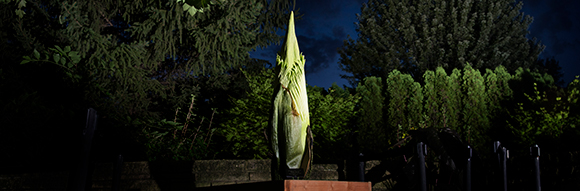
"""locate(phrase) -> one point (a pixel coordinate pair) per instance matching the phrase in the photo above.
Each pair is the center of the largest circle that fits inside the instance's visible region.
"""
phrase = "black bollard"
(535, 153)
(81, 171)
(360, 168)
(502, 156)
(117, 171)
(421, 152)
(468, 169)
(356, 168)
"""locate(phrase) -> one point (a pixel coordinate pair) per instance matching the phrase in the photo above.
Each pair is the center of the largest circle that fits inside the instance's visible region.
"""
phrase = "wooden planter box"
(297, 185)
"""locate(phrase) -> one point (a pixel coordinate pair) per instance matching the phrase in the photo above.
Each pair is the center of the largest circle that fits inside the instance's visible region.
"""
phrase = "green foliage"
(331, 113)
(454, 100)
(20, 4)
(137, 60)
(194, 6)
(372, 134)
(405, 107)
(475, 113)
(443, 98)
(464, 101)
(65, 58)
(436, 97)
(244, 125)
(552, 67)
(497, 89)
(134, 54)
(175, 141)
(414, 36)
(545, 116)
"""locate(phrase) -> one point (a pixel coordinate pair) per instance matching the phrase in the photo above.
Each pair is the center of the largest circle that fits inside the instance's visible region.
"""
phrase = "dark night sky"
(326, 24)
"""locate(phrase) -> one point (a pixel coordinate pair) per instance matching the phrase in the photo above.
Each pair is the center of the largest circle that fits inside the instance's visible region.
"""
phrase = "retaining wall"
(149, 176)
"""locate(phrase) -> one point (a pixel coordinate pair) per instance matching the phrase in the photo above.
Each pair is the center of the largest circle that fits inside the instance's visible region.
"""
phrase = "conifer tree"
(414, 36)
(372, 133)
(475, 111)
(454, 98)
(129, 57)
(133, 61)
(405, 105)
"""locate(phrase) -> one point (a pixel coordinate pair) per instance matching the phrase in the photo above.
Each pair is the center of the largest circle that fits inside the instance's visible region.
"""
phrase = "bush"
(545, 116)
(175, 141)
(331, 113)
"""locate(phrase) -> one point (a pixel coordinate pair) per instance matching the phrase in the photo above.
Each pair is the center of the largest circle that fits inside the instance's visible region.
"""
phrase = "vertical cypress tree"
(454, 98)
(437, 97)
(405, 107)
(372, 134)
(497, 89)
(475, 111)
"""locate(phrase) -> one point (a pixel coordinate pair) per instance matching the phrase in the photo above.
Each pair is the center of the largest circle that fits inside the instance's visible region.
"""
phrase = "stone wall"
(149, 176)
(34, 181)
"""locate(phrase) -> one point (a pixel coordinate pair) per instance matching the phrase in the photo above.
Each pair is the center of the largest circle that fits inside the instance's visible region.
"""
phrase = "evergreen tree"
(552, 67)
(436, 91)
(454, 98)
(414, 36)
(129, 56)
(405, 109)
(372, 134)
(475, 110)
(331, 113)
(134, 61)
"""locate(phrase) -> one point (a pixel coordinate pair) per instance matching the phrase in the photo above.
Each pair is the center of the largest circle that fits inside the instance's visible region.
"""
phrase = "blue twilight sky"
(327, 23)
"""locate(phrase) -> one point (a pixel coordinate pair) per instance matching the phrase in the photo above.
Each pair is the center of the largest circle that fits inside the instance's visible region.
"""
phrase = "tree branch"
(71, 14)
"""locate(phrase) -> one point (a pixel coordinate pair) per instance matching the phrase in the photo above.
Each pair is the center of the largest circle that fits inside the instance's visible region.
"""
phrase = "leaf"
(58, 48)
(74, 56)
(67, 49)
(36, 54)
(24, 61)
(56, 57)
(21, 4)
(20, 13)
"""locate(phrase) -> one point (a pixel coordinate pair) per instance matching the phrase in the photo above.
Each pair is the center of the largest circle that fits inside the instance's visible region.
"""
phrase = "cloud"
(320, 8)
(556, 24)
(555, 18)
(338, 32)
(319, 52)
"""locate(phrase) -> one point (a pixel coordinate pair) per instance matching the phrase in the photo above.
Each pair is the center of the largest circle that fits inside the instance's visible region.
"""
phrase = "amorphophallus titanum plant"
(290, 122)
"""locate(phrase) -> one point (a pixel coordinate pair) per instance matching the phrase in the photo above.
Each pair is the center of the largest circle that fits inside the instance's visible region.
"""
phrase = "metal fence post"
(82, 168)
(355, 168)
(468, 170)
(535, 153)
(502, 156)
(361, 167)
(118, 169)
(421, 152)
